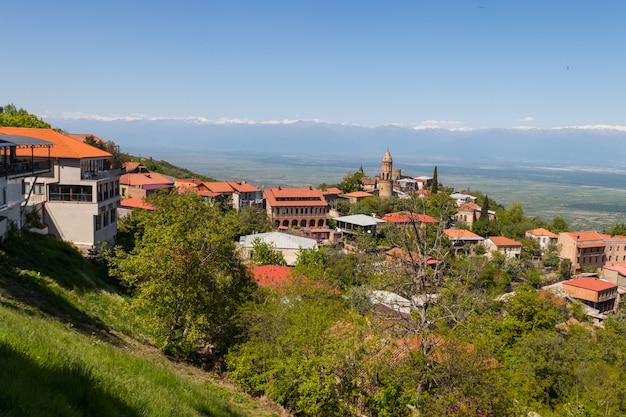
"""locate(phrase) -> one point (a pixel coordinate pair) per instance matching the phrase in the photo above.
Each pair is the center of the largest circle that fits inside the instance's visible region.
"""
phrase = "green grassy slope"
(69, 346)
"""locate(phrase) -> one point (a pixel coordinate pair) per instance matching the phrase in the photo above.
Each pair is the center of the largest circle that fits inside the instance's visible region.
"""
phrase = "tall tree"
(185, 274)
(264, 254)
(352, 182)
(434, 188)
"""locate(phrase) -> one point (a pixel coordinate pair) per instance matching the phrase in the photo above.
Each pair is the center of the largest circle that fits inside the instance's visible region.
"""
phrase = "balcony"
(100, 175)
(26, 168)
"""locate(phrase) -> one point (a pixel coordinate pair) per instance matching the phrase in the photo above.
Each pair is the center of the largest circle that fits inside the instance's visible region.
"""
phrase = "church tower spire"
(385, 188)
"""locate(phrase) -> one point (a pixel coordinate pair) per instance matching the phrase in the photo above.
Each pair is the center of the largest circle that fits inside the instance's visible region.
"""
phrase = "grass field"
(69, 347)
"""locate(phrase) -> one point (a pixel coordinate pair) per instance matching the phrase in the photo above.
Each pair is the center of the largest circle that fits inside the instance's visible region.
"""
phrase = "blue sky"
(459, 64)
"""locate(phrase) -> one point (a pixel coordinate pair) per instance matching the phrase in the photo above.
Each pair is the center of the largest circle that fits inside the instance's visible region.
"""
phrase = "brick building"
(296, 207)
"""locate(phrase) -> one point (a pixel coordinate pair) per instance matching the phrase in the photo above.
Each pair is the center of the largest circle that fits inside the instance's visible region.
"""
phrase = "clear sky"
(465, 64)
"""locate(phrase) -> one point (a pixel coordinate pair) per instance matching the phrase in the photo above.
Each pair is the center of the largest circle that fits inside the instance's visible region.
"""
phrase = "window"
(59, 192)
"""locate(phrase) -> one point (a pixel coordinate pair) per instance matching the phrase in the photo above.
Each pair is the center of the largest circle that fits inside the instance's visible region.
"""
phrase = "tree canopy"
(11, 116)
(185, 275)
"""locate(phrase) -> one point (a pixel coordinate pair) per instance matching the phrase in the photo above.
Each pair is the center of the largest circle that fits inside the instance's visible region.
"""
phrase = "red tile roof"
(331, 190)
(593, 284)
(357, 194)
(272, 275)
(582, 235)
(620, 269)
(136, 202)
(277, 276)
(408, 217)
(461, 234)
(294, 197)
(542, 232)
(501, 241)
(141, 180)
(64, 146)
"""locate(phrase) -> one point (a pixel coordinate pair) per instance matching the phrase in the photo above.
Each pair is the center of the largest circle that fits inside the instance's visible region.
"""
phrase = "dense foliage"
(11, 116)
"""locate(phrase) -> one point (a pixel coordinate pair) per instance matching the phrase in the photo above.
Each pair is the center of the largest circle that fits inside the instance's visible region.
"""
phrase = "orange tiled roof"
(407, 217)
(188, 182)
(461, 234)
(140, 179)
(357, 194)
(593, 284)
(294, 197)
(542, 232)
(582, 235)
(64, 146)
(243, 187)
(469, 207)
(331, 190)
(272, 275)
(82, 136)
(136, 202)
(504, 241)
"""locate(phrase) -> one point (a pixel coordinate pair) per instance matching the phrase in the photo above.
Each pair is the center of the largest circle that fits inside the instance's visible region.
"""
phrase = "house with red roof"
(303, 207)
(469, 212)
(80, 196)
(463, 241)
(543, 236)
(13, 170)
(509, 247)
(236, 194)
(596, 293)
(142, 184)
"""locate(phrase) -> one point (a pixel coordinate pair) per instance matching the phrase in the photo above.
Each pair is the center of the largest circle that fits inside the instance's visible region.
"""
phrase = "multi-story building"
(583, 249)
(296, 207)
(80, 196)
(614, 250)
(596, 293)
(13, 170)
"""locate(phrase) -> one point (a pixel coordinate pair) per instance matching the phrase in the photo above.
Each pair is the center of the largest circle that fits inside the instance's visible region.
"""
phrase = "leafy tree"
(434, 188)
(616, 229)
(14, 117)
(352, 182)
(565, 268)
(251, 220)
(264, 254)
(184, 273)
(558, 225)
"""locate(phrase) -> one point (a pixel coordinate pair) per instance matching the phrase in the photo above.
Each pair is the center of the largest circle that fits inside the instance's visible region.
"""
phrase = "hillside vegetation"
(69, 346)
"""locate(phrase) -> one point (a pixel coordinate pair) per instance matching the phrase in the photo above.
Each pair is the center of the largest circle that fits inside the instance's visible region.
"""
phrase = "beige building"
(508, 247)
(583, 249)
(80, 196)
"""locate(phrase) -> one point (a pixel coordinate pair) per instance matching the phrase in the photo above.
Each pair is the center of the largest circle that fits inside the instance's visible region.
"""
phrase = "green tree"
(434, 188)
(251, 220)
(185, 275)
(352, 183)
(558, 225)
(14, 117)
(616, 229)
(264, 254)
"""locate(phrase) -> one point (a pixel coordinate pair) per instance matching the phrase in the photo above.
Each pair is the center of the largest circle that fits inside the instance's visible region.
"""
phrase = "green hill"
(69, 346)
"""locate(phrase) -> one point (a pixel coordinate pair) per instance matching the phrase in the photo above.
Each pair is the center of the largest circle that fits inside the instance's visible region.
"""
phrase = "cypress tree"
(434, 188)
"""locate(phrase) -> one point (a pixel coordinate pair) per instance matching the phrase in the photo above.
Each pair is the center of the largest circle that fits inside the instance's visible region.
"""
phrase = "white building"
(80, 196)
(13, 170)
(288, 245)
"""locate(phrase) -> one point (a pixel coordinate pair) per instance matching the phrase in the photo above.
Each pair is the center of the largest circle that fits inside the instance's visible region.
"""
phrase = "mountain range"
(593, 147)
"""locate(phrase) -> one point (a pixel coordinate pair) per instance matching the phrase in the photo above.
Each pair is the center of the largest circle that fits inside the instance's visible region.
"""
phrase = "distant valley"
(575, 173)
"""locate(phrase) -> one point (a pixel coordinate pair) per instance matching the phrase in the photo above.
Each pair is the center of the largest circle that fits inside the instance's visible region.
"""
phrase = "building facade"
(79, 196)
(296, 207)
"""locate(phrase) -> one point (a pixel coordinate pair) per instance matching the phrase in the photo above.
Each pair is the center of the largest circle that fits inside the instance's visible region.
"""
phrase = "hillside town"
(72, 190)
(382, 284)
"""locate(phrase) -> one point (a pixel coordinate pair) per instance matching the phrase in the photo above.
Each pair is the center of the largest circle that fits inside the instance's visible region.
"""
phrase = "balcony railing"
(99, 175)
(26, 168)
